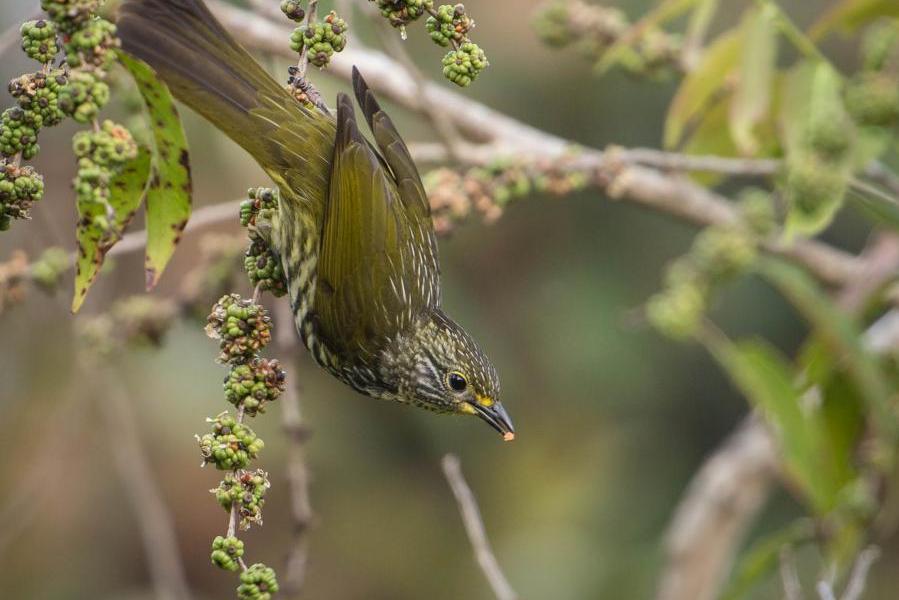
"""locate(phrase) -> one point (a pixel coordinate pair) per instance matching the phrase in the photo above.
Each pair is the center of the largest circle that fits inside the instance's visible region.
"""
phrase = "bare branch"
(301, 513)
(155, 521)
(789, 575)
(474, 527)
(859, 576)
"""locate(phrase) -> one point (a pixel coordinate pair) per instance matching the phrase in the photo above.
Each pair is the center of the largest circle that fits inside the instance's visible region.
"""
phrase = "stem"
(303, 62)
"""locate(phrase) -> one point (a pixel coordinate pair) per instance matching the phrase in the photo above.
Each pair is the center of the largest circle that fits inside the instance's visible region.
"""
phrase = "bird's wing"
(377, 267)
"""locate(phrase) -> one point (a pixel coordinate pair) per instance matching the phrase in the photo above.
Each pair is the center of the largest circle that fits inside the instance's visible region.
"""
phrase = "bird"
(353, 230)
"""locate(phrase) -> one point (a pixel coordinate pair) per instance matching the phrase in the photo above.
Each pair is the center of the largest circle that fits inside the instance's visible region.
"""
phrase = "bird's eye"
(456, 381)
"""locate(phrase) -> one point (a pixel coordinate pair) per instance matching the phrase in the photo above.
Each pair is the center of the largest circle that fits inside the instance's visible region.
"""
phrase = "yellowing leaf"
(704, 85)
(751, 101)
(169, 194)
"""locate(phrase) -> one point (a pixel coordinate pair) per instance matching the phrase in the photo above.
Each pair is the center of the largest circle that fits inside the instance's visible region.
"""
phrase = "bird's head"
(441, 368)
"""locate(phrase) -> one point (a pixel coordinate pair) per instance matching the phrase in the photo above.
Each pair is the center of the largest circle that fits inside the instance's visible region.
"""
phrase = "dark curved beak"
(497, 417)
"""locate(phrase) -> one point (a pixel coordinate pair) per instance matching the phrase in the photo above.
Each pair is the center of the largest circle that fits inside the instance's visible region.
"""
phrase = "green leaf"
(766, 379)
(169, 194)
(812, 115)
(703, 86)
(126, 190)
(842, 337)
(849, 15)
(751, 101)
(763, 557)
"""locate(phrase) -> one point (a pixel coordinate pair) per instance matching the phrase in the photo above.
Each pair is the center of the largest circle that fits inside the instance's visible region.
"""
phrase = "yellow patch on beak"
(467, 408)
(486, 401)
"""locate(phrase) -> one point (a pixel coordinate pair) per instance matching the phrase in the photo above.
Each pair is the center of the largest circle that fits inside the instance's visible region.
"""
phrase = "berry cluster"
(101, 155)
(453, 195)
(293, 10)
(20, 187)
(245, 490)
(718, 254)
(262, 266)
(226, 552)
(257, 583)
(243, 328)
(230, 445)
(448, 25)
(320, 40)
(136, 321)
(253, 384)
(592, 29)
(39, 40)
(45, 97)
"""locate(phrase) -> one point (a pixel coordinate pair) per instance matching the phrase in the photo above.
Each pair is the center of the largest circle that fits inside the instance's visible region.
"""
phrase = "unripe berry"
(462, 66)
(39, 40)
(225, 552)
(257, 583)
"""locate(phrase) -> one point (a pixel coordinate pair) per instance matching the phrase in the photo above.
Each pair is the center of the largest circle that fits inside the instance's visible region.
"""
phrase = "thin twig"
(859, 576)
(155, 522)
(789, 576)
(474, 527)
(297, 473)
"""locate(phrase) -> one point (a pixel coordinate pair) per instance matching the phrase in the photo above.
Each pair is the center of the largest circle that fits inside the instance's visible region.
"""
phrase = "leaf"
(812, 115)
(703, 86)
(849, 15)
(169, 195)
(766, 379)
(761, 559)
(126, 190)
(842, 336)
(751, 101)
(665, 11)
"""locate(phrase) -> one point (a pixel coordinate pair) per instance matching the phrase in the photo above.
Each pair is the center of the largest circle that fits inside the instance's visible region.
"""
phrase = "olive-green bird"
(353, 233)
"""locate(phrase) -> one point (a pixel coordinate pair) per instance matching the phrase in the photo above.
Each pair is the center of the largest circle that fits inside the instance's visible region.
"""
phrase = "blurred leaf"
(766, 379)
(703, 85)
(841, 335)
(126, 190)
(665, 11)
(169, 194)
(849, 15)
(812, 103)
(751, 101)
(763, 557)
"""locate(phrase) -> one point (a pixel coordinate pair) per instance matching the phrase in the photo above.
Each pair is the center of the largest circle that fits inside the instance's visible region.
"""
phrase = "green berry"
(677, 312)
(812, 184)
(880, 45)
(873, 99)
(48, 269)
(226, 551)
(257, 583)
(247, 489)
(231, 445)
(757, 211)
(70, 14)
(83, 96)
(18, 132)
(293, 10)
(264, 269)
(451, 23)
(253, 384)
(38, 95)
(94, 44)
(723, 252)
(39, 40)
(402, 12)
(241, 326)
(462, 66)
(20, 188)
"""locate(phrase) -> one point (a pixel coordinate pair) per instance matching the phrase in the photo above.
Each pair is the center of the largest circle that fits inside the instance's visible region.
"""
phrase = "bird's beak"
(497, 417)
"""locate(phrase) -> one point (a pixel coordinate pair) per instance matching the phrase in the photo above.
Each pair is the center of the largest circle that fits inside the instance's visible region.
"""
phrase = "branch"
(474, 527)
(297, 474)
(509, 137)
(156, 525)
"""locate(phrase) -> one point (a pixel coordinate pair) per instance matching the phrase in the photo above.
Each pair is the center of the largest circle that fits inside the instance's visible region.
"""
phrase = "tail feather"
(212, 74)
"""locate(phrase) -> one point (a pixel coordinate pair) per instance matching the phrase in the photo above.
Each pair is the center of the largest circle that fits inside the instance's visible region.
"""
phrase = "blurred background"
(612, 419)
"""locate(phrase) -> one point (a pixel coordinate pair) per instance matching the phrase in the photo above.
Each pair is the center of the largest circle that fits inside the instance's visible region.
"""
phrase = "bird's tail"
(206, 69)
